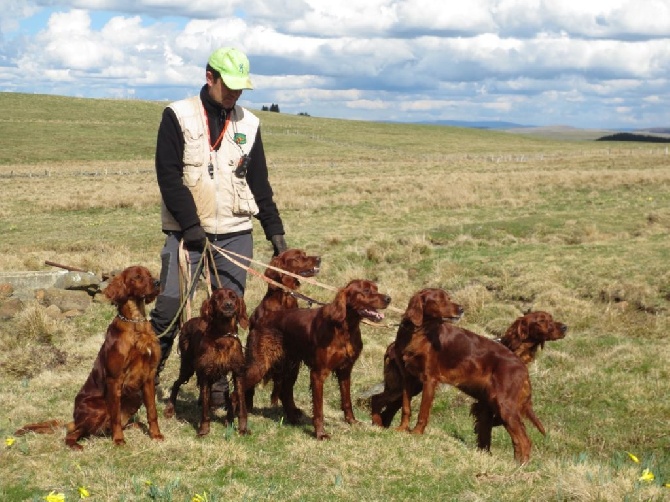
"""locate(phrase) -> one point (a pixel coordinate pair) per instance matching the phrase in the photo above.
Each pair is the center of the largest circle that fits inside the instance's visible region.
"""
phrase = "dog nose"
(387, 299)
(564, 328)
(460, 310)
(157, 283)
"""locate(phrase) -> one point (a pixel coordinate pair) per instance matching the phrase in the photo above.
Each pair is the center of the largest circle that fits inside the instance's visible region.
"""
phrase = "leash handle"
(189, 290)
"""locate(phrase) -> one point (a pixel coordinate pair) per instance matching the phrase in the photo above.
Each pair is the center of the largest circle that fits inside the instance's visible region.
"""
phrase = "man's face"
(220, 93)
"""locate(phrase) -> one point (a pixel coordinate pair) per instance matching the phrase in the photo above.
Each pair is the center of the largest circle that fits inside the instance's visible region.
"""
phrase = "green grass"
(505, 222)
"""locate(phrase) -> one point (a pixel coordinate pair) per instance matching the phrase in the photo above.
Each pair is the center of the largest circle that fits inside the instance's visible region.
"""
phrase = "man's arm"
(169, 171)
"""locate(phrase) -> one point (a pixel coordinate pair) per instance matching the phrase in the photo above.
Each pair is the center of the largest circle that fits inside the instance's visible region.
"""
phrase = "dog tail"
(530, 414)
(46, 427)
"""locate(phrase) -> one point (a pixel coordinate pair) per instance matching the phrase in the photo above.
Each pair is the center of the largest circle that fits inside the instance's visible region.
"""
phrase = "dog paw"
(295, 416)
(168, 412)
(75, 446)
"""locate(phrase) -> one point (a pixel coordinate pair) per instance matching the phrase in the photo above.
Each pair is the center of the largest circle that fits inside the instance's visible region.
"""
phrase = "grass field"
(504, 222)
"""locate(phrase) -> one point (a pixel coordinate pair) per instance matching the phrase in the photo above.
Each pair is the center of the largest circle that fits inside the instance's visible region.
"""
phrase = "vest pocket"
(192, 176)
(193, 152)
(244, 203)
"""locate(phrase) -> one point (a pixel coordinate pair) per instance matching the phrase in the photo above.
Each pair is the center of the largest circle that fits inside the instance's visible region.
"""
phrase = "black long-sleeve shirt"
(170, 168)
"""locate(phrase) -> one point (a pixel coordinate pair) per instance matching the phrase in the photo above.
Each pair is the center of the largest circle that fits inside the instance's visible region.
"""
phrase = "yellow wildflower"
(633, 457)
(647, 475)
(83, 492)
(9, 441)
(199, 498)
(55, 497)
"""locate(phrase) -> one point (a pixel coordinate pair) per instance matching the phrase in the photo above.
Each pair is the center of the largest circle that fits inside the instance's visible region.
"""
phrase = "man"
(213, 177)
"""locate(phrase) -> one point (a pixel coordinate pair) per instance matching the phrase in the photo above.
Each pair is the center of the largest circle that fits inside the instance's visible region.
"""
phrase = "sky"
(580, 63)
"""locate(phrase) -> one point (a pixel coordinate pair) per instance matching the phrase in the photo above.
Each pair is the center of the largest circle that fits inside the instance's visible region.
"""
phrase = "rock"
(6, 290)
(64, 299)
(53, 312)
(9, 308)
(78, 281)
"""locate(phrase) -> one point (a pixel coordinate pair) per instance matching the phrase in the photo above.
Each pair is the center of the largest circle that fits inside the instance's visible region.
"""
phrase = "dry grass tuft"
(31, 344)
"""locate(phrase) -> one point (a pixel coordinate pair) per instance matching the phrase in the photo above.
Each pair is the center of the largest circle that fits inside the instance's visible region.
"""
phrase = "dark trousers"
(167, 304)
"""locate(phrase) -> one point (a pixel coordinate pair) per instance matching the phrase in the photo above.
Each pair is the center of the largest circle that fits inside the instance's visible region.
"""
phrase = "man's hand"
(194, 238)
(278, 243)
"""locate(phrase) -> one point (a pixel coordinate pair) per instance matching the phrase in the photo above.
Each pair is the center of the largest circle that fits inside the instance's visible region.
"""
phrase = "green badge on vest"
(239, 138)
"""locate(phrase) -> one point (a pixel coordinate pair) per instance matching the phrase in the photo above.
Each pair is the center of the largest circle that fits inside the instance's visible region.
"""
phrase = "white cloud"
(516, 60)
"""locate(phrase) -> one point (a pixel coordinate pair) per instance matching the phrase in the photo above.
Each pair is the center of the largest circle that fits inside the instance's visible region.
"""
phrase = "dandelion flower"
(199, 498)
(633, 457)
(647, 475)
(55, 497)
(9, 441)
(83, 492)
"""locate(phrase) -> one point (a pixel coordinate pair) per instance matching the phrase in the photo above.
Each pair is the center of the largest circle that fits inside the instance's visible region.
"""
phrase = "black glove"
(194, 238)
(278, 243)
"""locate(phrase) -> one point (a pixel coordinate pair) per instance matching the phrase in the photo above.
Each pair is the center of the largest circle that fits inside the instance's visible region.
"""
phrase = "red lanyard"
(223, 131)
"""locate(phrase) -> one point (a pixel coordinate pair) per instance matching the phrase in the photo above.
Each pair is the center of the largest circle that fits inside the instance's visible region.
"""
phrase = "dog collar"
(144, 319)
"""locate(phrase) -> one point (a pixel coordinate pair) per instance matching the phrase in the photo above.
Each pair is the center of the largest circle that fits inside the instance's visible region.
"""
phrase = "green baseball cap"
(233, 66)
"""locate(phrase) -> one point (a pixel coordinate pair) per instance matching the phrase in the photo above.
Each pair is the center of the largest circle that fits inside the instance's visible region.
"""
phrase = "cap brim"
(237, 83)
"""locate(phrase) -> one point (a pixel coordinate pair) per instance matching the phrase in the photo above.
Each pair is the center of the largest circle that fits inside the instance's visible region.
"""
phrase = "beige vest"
(223, 201)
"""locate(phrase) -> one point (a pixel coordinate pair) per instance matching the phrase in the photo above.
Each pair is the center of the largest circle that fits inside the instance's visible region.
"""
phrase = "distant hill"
(656, 130)
(627, 136)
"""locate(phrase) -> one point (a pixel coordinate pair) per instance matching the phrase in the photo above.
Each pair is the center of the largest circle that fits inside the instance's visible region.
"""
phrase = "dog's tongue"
(373, 315)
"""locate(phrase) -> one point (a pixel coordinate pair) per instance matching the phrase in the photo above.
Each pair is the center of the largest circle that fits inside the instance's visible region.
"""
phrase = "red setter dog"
(297, 262)
(210, 348)
(327, 339)
(524, 337)
(122, 378)
(430, 303)
(528, 333)
(439, 352)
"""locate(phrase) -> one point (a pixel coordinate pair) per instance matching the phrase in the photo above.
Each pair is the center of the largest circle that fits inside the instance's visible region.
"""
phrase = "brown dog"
(524, 337)
(297, 262)
(210, 348)
(529, 333)
(327, 339)
(438, 352)
(434, 304)
(122, 378)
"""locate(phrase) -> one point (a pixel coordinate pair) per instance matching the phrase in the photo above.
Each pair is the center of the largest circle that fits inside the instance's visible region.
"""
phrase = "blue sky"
(592, 64)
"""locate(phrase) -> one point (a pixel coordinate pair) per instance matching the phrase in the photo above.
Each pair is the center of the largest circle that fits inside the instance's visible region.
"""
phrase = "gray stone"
(9, 308)
(77, 281)
(25, 282)
(64, 299)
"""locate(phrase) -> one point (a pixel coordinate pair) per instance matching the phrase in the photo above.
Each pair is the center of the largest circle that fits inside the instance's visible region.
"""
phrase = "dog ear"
(290, 282)
(516, 334)
(414, 312)
(116, 290)
(273, 275)
(242, 317)
(206, 308)
(337, 310)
